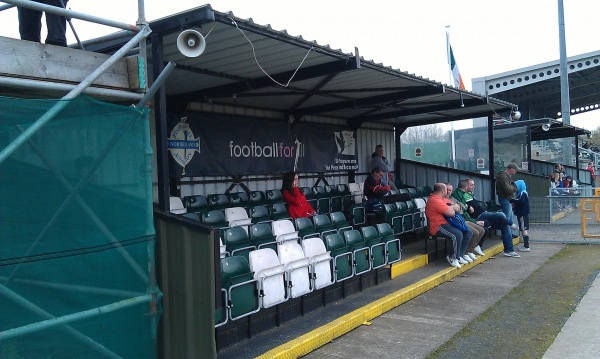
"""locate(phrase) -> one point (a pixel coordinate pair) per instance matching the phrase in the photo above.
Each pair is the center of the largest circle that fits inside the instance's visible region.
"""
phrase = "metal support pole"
(565, 103)
(6, 7)
(50, 323)
(29, 84)
(60, 105)
(72, 14)
(157, 83)
(16, 298)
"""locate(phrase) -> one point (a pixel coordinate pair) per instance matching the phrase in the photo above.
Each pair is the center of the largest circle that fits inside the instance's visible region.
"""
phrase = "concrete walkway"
(580, 336)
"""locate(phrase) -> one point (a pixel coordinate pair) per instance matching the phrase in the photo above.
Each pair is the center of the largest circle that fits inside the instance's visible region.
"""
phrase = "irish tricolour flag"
(458, 82)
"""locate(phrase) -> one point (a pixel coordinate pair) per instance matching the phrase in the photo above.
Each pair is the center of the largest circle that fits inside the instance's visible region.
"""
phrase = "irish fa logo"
(182, 143)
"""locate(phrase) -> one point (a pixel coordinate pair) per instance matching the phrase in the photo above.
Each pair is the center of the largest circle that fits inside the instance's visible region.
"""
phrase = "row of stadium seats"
(294, 266)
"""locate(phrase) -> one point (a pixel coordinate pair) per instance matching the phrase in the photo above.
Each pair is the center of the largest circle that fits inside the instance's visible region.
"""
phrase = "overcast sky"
(487, 37)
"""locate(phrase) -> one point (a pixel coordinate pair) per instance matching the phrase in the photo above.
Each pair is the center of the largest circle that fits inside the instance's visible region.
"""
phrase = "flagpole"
(450, 77)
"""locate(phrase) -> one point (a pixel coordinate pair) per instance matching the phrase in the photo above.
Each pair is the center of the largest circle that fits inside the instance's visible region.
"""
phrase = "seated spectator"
(375, 191)
(478, 228)
(497, 220)
(436, 208)
(296, 202)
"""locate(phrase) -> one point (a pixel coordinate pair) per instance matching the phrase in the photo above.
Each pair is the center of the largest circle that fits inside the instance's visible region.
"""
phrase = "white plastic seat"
(296, 266)
(176, 205)
(283, 230)
(222, 249)
(237, 217)
(356, 192)
(320, 262)
(270, 276)
(420, 203)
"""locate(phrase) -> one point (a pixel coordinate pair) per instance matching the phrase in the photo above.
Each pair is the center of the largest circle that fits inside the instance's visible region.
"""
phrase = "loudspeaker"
(191, 43)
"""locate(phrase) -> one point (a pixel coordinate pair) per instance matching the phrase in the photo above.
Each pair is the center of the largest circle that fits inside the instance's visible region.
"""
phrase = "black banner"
(211, 145)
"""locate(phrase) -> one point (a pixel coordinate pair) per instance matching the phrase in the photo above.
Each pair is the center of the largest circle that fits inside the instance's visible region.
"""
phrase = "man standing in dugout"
(506, 190)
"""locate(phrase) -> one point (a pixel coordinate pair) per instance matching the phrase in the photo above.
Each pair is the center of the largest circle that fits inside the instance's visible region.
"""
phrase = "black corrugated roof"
(324, 82)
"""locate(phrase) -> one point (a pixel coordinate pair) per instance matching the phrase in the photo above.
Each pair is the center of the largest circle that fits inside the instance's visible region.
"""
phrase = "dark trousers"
(30, 24)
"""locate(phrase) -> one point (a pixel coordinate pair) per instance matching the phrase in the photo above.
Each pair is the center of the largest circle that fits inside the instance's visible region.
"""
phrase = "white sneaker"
(472, 256)
(478, 251)
(455, 263)
(467, 258)
(514, 227)
(461, 260)
(512, 254)
(523, 249)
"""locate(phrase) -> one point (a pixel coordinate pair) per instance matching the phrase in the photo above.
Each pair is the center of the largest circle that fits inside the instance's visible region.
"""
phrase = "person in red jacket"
(296, 202)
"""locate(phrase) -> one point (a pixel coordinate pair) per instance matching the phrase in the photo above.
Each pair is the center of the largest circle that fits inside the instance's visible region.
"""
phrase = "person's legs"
(506, 209)
(57, 26)
(455, 236)
(466, 241)
(524, 228)
(478, 232)
(495, 219)
(30, 24)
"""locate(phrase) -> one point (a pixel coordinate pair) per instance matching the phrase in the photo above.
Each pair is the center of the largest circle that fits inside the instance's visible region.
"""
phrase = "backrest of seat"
(237, 216)
(274, 196)
(262, 234)
(176, 205)
(402, 191)
(304, 226)
(257, 198)
(192, 216)
(239, 199)
(307, 192)
(259, 213)
(279, 211)
(353, 238)
(426, 191)
(334, 242)
(196, 204)
(217, 201)
(215, 218)
(385, 230)
(232, 267)
(283, 229)
(322, 221)
(369, 233)
(338, 219)
(412, 192)
(235, 236)
(356, 192)
(313, 246)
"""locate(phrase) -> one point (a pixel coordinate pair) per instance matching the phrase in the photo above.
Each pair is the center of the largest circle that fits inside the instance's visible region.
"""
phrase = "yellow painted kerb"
(338, 327)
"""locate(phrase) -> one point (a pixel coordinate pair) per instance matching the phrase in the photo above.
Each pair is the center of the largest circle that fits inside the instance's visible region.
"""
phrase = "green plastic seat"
(262, 235)
(361, 254)
(342, 257)
(237, 242)
(392, 242)
(239, 282)
(376, 245)
(305, 227)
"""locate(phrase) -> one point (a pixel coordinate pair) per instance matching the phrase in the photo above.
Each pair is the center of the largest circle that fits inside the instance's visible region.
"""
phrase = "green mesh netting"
(76, 233)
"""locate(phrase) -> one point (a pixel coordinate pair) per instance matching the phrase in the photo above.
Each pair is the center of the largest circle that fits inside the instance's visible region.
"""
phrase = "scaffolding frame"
(142, 31)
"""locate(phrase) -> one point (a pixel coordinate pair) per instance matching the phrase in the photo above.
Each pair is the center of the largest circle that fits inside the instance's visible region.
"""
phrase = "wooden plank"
(33, 60)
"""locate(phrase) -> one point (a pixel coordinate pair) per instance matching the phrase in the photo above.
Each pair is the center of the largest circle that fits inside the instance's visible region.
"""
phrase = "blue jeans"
(499, 221)
(460, 239)
(506, 209)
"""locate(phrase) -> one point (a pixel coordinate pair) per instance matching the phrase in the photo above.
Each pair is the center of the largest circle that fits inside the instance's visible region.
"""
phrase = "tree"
(424, 134)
